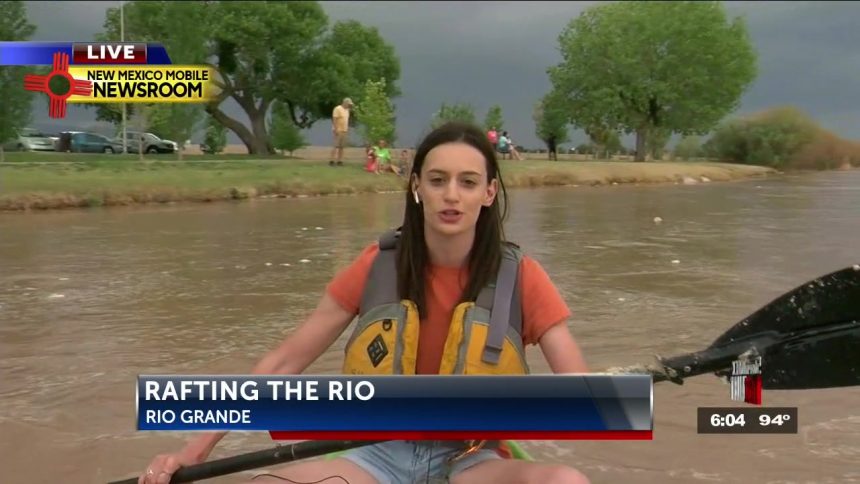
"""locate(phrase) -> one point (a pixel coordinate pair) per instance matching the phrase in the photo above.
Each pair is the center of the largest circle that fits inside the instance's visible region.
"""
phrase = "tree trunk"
(248, 138)
(261, 137)
(640, 143)
(2, 154)
(179, 149)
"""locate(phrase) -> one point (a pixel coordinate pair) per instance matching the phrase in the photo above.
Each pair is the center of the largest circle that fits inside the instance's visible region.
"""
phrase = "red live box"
(109, 53)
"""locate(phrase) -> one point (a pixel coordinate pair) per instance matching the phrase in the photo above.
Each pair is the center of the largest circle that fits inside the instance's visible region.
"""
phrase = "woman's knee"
(559, 474)
(335, 470)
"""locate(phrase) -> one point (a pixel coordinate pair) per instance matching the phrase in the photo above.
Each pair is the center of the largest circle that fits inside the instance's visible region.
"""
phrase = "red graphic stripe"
(61, 61)
(57, 108)
(82, 88)
(35, 82)
(464, 435)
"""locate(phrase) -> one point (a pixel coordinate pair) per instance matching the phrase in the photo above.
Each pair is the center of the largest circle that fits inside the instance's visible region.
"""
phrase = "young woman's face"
(453, 187)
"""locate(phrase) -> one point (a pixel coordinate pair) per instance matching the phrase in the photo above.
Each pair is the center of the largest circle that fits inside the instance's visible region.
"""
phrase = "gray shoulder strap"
(381, 285)
(506, 309)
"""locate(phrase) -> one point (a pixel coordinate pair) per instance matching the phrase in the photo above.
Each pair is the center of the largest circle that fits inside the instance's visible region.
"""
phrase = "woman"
(383, 156)
(450, 248)
(370, 164)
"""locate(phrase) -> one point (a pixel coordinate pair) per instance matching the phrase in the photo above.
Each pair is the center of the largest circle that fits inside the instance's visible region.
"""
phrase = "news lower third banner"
(421, 407)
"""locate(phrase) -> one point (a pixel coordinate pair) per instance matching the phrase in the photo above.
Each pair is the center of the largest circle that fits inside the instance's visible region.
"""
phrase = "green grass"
(57, 180)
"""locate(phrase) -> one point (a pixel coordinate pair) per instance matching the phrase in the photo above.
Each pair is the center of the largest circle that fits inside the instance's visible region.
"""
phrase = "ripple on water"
(834, 439)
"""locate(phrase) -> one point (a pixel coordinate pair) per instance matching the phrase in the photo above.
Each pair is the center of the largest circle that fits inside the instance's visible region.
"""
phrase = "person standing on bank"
(340, 130)
(429, 286)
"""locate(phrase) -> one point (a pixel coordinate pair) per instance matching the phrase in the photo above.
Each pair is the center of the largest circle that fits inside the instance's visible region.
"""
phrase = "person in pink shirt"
(493, 136)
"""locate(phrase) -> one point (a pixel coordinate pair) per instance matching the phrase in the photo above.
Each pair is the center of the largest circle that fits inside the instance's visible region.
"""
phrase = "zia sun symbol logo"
(58, 85)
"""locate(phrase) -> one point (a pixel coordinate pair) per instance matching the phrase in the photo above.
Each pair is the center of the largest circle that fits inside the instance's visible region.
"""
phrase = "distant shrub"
(781, 138)
(826, 152)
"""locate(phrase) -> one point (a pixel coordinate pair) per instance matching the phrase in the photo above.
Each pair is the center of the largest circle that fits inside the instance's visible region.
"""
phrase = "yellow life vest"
(484, 337)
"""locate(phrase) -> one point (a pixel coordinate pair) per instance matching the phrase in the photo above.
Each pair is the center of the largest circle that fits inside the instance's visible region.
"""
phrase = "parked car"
(28, 139)
(80, 142)
(151, 143)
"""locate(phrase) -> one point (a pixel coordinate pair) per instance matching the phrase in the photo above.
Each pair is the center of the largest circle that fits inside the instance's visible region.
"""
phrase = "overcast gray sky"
(487, 53)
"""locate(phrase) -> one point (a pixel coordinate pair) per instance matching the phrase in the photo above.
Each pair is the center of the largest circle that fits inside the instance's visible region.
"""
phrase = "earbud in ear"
(415, 193)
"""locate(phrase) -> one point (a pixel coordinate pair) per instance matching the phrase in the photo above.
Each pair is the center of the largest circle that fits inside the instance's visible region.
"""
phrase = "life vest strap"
(383, 274)
(506, 303)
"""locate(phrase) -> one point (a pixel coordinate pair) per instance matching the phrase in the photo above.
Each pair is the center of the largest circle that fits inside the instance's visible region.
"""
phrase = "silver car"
(151, 143)
(29, 139)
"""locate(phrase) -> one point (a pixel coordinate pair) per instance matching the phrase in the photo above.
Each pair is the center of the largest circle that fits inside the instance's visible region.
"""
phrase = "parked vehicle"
(151, 143)
(28, 139)
(80, 142)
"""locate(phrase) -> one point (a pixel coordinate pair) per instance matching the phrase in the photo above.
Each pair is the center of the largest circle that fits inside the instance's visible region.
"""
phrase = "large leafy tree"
(265, 52)
(551, 121)
(638, 67)
(14, 100)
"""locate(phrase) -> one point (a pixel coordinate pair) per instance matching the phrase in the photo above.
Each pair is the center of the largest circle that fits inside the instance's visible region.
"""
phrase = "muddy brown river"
(91, 298)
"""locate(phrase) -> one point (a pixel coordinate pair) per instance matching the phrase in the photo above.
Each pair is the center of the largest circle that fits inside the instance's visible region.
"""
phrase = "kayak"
(515, 450)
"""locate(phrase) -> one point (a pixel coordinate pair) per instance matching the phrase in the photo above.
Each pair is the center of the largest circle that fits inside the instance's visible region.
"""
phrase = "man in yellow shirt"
(340, 129)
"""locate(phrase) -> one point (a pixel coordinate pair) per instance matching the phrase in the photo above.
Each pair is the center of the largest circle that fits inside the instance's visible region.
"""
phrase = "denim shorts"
(410, 462)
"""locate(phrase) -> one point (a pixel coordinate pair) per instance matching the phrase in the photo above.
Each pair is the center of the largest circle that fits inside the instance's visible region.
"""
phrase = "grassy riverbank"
(107, 180)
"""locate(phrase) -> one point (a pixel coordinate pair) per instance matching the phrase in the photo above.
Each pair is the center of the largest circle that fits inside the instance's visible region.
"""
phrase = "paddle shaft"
(711, 360)
(262, 458)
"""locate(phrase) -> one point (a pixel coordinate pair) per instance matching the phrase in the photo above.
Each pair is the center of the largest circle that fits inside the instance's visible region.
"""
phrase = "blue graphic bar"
(42, 53)
(548, 405)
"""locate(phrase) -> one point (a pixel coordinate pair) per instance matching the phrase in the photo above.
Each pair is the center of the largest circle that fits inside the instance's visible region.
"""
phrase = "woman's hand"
(163, 466)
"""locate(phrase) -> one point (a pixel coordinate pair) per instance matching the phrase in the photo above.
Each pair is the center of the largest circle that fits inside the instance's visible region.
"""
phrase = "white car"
(29, 139)
(151, 143)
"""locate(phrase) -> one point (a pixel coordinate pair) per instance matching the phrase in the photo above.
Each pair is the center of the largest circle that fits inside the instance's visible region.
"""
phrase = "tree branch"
(302, 121)
(237, 127)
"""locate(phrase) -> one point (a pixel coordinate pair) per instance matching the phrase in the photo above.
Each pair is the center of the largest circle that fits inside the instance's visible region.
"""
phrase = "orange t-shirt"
(542, 305)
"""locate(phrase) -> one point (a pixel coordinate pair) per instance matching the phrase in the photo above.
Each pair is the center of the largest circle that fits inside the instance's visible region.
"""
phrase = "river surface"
(91, 298)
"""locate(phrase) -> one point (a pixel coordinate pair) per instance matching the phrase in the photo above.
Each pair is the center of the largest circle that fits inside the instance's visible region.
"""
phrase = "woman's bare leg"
(322, 471)
(509, 471)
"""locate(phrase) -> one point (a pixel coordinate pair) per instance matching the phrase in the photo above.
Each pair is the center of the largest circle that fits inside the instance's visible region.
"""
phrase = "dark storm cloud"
(498, 52)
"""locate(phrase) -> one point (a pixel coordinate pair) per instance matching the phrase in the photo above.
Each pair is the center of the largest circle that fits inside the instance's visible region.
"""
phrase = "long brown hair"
(486, 253)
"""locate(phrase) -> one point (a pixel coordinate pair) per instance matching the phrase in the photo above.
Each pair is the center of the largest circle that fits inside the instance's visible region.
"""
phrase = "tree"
(689, 147)
(605, 141)
(454, 112)
(656, 142)
(636, 66)
(176, 121)
(141, 121)
(284, 132)
(773, 137)
(494, 119)
(16, 101)
(550, 121)
(585, 149)
(375, 113)
(265, 52)
(167, 23)
(215, 139)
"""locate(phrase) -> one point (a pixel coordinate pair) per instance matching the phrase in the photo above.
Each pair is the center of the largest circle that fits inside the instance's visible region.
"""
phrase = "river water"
(91, 298)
